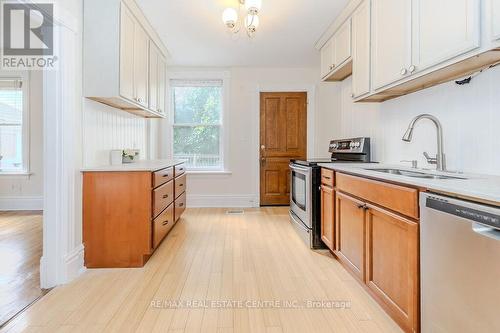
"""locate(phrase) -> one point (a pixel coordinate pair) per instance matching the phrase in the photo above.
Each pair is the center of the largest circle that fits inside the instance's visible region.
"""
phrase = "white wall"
(26, 192)
(470, 116)
(106, 128)
(240, 188)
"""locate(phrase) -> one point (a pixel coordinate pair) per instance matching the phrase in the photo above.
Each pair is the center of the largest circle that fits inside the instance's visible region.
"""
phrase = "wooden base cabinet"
(392, 265)
(378, 244)
(126, 215)
(327, 216)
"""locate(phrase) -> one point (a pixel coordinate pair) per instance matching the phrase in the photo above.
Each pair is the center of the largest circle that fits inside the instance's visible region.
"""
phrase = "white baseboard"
(222, 201)
(73, 266)
(21, 203)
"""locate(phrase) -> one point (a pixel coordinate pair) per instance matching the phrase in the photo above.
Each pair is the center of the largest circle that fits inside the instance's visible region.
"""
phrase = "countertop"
(482, 188)
(142, 165)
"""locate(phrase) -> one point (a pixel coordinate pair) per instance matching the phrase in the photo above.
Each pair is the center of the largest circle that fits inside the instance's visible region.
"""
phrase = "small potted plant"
(130, 156)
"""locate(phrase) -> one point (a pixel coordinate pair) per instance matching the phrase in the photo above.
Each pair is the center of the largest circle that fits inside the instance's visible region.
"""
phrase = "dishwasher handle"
(486, 231)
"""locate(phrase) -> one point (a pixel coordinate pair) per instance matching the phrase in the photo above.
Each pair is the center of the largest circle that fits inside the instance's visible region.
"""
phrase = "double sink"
(414, 174)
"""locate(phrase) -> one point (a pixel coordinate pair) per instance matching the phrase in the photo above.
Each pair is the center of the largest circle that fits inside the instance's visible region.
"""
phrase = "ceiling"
(194, 33)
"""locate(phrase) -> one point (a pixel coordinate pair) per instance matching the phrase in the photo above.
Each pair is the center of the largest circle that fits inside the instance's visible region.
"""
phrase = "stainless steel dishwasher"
(459, 266)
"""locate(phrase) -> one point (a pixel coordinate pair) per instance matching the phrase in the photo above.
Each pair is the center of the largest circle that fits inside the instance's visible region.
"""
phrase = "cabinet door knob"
(165, 196)
(404, 71)
(165, 222)
(412, 68)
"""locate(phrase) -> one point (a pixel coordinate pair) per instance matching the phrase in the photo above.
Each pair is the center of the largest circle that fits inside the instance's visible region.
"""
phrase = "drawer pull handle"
(165, 222)
(181, 204)
(364, 206)
(180, 185)
(327, 177)
(165, 196)
(165, 175)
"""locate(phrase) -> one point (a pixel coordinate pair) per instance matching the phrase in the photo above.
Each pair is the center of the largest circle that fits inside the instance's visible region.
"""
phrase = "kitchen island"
(129, 209)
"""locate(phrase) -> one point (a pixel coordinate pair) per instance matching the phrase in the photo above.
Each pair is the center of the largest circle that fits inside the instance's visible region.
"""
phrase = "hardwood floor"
(210, 255)
(20, 252)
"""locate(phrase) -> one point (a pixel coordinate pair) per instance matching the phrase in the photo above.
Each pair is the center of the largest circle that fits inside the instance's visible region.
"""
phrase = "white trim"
(62, 258)
(222, 201)
(21, 203)
(311, 121)
(25, 127)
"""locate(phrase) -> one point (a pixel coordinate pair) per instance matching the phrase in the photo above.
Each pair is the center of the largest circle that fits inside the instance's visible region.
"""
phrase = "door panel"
(327, 58)
(127, 54)
(350, 231)
(392, 264)
(153, 77)
(162, 84)
(342, 42)
(443, 30)
(328, 216)
(392, 40)
(141, 65)
(361, 50)
(283, 136)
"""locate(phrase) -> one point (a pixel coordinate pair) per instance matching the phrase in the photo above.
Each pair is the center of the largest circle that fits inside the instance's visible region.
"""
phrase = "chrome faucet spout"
(440, 159)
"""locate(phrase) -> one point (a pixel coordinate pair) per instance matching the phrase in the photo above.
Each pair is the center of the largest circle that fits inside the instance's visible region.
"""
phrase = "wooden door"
(327, 58)
(127, 54)
(361, 50)
(495, 19)
(392, 265)
(154, 54)
(283, 136)
(350, 233)
(141, 64)
(342, 42)
(328, 216)
(443, 30)
(391, 41)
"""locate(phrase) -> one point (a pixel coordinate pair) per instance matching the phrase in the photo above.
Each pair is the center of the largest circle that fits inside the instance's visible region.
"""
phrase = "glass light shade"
(253, 6)
(252, 21)
(230, 16)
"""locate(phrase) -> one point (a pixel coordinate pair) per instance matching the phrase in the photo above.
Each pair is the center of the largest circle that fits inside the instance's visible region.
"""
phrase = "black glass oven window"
(299, 190)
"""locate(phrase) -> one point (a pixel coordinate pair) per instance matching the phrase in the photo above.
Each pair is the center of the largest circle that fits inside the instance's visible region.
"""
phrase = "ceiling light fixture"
(233, 18)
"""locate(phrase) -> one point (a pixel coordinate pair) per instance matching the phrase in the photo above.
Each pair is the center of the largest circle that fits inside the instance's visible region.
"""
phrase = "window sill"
(209, 172)
(15, 174)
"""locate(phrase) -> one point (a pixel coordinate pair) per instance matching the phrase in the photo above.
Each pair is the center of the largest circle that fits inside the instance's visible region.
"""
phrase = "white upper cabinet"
(162, 85)
(154, 55)
(495, 19)
(127, 34)
(342, 45)
(116, 58)
(327, 58)
(336, 55)
(443, 30)
(361, 50)
(141, 65)
(391, 41)
(157, 79)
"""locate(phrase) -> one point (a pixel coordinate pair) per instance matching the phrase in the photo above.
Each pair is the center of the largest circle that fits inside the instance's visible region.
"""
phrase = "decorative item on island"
(130, 155)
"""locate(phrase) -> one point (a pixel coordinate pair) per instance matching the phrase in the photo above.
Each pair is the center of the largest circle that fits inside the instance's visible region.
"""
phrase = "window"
(13, 123)
(197, 128)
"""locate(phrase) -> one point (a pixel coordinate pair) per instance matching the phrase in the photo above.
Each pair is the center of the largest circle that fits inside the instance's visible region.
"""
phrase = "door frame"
(311, 124)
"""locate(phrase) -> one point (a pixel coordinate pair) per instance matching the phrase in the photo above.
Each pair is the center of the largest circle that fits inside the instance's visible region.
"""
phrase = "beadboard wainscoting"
(469, 115)
(106, 128)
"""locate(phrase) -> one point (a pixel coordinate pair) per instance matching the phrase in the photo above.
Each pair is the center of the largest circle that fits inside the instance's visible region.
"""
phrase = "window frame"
(223, 136)
(25, 77)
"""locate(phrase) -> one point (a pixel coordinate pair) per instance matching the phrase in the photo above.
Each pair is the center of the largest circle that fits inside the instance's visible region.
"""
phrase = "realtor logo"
(27, 36)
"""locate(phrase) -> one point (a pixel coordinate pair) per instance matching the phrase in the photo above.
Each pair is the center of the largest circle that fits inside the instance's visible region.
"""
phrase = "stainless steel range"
(305, 181)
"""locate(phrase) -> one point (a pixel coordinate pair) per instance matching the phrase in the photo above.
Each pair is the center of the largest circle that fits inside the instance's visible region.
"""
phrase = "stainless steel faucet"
(440, 159)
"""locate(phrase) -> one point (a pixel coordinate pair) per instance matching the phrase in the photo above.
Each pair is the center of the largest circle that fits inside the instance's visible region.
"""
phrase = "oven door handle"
(300, 169)
(296, 220)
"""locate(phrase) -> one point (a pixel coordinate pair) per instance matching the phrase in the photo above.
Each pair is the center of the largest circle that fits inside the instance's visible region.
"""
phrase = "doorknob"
(262, 147)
